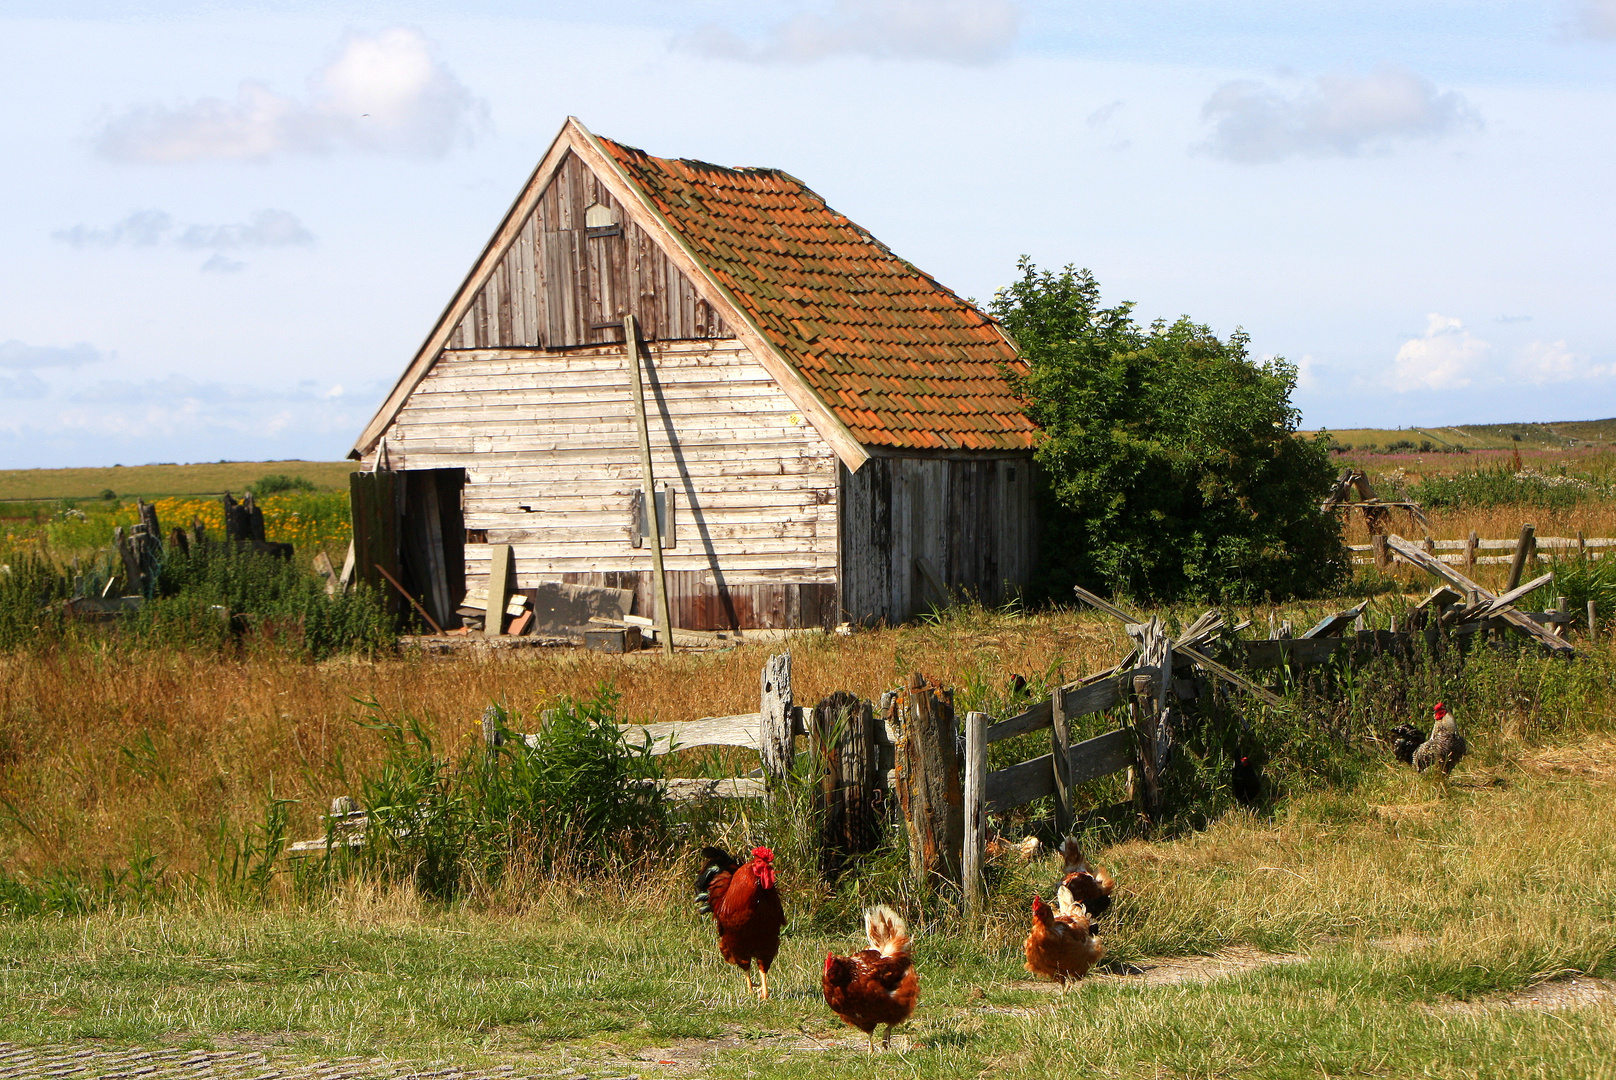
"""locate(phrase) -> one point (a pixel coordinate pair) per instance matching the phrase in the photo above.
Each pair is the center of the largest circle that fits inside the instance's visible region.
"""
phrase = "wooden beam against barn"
(631, 343)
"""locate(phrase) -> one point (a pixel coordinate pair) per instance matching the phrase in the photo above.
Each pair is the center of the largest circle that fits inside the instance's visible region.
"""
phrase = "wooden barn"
(831, 433)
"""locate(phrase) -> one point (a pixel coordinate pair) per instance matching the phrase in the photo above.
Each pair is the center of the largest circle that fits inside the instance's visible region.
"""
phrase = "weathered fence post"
(842, 744)
(1149, 710)
(1060, 745)
(976, 823)
(1472, 542)
(1525, 547)
(1377, 546)
(1592, 626)
(775, 734)
(929, 783)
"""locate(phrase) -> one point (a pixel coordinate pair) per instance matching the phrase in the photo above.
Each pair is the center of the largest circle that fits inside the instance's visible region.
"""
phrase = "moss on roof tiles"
(903, 361)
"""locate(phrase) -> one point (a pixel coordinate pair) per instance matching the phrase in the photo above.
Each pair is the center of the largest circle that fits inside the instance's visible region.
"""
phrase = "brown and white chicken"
(1090, 886)
(878, 985)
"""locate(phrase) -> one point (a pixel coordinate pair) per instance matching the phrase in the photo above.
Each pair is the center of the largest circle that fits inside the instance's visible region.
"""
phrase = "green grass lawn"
(152, 481)
(1411, 907)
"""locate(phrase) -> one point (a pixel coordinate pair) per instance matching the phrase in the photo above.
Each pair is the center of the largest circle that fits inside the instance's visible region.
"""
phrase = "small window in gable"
(601, 220)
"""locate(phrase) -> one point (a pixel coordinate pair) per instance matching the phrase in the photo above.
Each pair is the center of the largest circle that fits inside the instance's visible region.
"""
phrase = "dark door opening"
(432, 539)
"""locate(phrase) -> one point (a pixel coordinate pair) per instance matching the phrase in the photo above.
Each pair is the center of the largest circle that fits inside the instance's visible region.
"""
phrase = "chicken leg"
(763, 973)
(886, 1041)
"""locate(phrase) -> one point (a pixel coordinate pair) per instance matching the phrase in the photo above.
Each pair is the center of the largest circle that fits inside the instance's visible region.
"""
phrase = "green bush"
(277, 483)
(580, 798)
(1501, 485)
(1169, 461)
(31, 595)
(219, 592)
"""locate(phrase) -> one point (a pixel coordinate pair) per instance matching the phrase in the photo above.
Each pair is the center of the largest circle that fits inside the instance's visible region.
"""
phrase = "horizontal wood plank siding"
(552, 468)
(558, 286)
(970, 518)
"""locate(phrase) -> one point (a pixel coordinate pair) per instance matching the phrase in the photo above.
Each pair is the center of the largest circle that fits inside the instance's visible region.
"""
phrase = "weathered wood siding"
(564, 284)
(971, 518)
(552, 467)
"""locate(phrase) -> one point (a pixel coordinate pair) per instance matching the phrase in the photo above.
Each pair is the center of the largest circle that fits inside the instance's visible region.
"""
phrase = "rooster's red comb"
(1439, 709)
(763, 853)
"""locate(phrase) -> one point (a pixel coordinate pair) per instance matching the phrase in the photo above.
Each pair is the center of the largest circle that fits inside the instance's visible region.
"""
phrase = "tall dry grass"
(103, 753)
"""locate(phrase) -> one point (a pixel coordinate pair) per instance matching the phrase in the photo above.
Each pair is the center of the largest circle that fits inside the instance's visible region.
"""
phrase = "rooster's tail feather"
(715, 861)
(887, 931)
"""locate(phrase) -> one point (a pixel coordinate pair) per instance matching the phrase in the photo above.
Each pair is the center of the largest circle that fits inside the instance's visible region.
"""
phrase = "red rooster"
(877, 985)
(746, 906)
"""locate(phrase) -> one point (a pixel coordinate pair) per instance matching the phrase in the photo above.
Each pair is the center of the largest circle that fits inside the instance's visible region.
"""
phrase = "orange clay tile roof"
(901, 360)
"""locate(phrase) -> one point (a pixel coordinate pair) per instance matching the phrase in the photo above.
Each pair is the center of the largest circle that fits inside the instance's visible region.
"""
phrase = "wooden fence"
(1468, 552)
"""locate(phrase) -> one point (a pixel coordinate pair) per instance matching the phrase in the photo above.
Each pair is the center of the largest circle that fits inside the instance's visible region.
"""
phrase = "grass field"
(155, 481)
(1562, 435)
(1412, 918)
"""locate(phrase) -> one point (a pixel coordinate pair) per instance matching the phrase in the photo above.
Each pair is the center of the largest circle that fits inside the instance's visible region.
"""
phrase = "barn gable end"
(835, 432)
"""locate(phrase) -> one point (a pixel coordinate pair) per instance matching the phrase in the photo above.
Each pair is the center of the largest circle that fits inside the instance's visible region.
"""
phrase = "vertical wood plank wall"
(562, 284)
(973, 519)
(552, 465)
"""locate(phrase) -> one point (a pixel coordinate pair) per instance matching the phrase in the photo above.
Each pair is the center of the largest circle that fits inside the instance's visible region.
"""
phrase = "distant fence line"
(1468, 552)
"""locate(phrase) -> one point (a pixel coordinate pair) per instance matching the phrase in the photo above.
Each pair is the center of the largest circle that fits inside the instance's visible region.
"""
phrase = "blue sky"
(225, 228)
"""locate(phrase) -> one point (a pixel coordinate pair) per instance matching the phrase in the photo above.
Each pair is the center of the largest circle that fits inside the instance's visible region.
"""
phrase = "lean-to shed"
(831, 430)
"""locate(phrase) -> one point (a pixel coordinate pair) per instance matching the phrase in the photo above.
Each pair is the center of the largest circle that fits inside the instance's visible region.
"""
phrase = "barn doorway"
(432, 541)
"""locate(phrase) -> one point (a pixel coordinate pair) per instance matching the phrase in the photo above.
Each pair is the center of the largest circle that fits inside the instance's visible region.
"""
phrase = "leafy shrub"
(278, 483)
(1501, 485)
(581, 797)
(1170, 465)
(31, 591)
(218, 592)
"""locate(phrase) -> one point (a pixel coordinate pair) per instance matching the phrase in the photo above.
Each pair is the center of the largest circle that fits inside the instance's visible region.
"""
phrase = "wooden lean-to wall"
(970, 518)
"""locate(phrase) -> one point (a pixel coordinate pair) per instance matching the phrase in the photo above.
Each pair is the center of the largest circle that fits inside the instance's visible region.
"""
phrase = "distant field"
(1556, 436)
(153, 481)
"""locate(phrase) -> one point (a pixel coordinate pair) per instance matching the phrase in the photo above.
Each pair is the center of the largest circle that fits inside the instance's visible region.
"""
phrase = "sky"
(225, 228)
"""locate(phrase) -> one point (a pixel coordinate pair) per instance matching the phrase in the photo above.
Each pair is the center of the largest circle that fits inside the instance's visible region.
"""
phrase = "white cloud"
(1336, 115)
(24, 385)
(1596, 18)
(1542, 362)
(16, 354)
(382, 93)
(956, 31)
(153, 228)
(1445, 357)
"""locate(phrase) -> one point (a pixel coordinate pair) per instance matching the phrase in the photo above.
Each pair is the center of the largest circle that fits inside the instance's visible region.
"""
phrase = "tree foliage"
(1169, 459)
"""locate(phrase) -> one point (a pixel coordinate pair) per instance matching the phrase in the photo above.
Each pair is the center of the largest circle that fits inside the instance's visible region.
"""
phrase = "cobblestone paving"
(80, 1062)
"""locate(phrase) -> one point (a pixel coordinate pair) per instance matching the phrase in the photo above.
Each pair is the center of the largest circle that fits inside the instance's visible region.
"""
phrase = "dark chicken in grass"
(1091, 887)
(746, 906)
(877, 985)
(1245, 782)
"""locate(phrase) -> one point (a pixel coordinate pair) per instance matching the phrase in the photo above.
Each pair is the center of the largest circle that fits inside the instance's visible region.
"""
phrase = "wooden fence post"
(842, 743)
(775, 745)
(1524, 549)
(1472, 542)
(1149, 710)
(1377, 546)
(1060, 745)
(976, 824)
(1593, 629)
(929, 783)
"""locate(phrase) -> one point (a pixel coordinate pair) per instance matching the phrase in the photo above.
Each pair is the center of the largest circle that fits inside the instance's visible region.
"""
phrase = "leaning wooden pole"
(631, 341)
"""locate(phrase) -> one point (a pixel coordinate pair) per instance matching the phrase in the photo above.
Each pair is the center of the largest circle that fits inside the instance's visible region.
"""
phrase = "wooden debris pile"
(1462, 607)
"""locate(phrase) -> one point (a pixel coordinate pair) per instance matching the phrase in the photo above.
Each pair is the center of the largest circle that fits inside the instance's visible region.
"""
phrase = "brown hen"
(1089, 885)
(878, 985)
(1063, 944)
